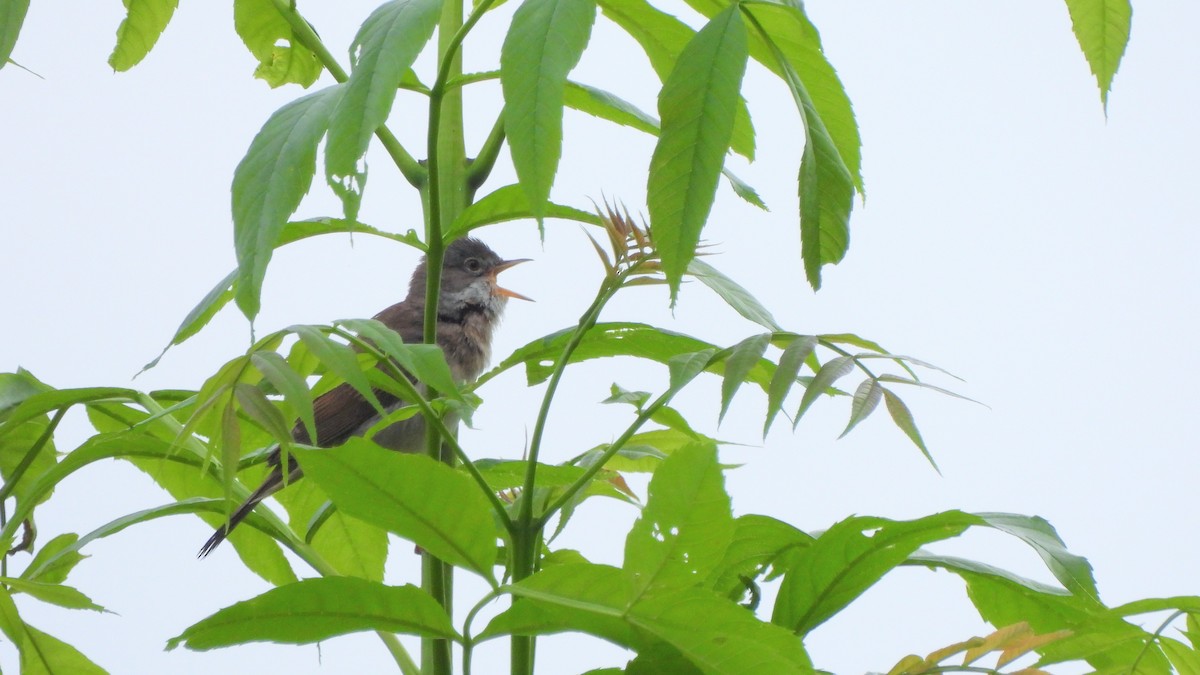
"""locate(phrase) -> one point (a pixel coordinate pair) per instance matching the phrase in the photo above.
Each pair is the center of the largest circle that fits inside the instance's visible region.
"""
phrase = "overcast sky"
(1012, 234)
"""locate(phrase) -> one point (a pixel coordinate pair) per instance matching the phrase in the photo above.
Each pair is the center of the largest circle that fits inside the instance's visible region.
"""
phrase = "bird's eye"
(473, 265)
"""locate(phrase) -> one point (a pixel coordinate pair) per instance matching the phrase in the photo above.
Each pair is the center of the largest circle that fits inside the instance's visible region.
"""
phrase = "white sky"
(1012, 234)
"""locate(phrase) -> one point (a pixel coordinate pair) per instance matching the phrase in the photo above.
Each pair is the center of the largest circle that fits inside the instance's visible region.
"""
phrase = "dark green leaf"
(790, 362)
(903, 418)
(282, 58)
(144, 21)
(733, 294)
(289, 383)
(339, 358)
(745, 355)
(425, 362)
(269, 183)
(831, 372)
(1102, 28)
(382, 52)
(313, 610)
(686, 525)
(12, 15)
(510, 203)
(424, 501)
(849, 558)
(544, 42)
(696, 105)
(866, 398)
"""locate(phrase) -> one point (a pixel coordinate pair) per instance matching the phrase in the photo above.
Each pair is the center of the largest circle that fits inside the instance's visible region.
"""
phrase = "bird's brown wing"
(339, 413)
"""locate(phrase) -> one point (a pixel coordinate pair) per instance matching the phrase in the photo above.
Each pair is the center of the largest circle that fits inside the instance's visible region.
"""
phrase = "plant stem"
(480, 168)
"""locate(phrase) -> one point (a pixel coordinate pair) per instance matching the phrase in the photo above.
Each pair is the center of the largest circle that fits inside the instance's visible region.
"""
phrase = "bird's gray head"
(469, 270)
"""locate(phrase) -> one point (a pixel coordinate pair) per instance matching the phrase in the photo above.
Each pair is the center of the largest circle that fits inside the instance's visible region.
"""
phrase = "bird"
(470, 305)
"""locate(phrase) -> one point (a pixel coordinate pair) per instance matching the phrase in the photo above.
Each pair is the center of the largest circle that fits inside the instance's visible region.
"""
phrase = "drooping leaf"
(1102, 28)
(510, 203)
(12, 16)
(790, 362)
(849, 558)
(313, 610)
(382, 52)
(424, 501)
(41, 654)
(664, 37)
(269, 183)
(825, 378)
(282, 58)
(339, 358)
(903, 419)
(55, 594)
(144, 21)
(425, 362)
(544, 42)
(733, 294)
(1073, 571)
(696, 107)
(744, 356)
(686, 526)
(866, 399)
(275, 369)
(259, 408)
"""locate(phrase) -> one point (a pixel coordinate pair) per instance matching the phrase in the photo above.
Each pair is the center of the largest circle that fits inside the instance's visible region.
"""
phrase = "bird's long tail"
(270, 486)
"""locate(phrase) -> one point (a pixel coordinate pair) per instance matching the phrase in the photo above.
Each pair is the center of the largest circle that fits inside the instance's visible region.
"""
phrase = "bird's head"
(469, 270)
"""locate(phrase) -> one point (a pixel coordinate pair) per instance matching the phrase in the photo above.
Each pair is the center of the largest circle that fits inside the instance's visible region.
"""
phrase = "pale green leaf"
(830, 373)
(742, 358)
(733, 294)
(790, 362)
(1102, 28)
(903, 419)
(866, 399)
(144, 21)
(282, 59)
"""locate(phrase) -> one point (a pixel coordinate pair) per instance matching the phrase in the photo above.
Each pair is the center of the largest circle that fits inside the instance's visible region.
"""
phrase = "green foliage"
(688, 597)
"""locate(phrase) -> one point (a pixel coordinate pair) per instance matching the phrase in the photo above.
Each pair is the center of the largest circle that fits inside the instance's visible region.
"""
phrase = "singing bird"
(469, 309)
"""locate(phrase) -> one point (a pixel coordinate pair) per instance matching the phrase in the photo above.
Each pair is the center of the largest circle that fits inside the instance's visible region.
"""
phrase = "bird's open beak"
(497, 289)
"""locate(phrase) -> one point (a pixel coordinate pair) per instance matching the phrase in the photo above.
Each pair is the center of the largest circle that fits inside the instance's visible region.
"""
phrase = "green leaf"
(664, 37)
(800, 43)
(1102, 28)
(759, 544)
(790, 362)
(1073, 571)
(339, 358)
(544, 42)
(903, 418)
(866, 399)
(41, 654)
(1185, 659)
(686, 525)
(505, 475)
(425, 362)
(313, 610)
(831, 372)
(269, 183)
(54, 560)
(289, 383)
(510, 203)
(616, 339)
(742, 358)
(282, 58)
(696, 105)
(684, 368)
(714, 634)
(349, 545)
(12, 15)
(733, 294)
(16, 387)
(849, 558)
(744, 190)
(55, 594)
(259, 408)
(382, 52)
(424, 501)
(144, 21)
